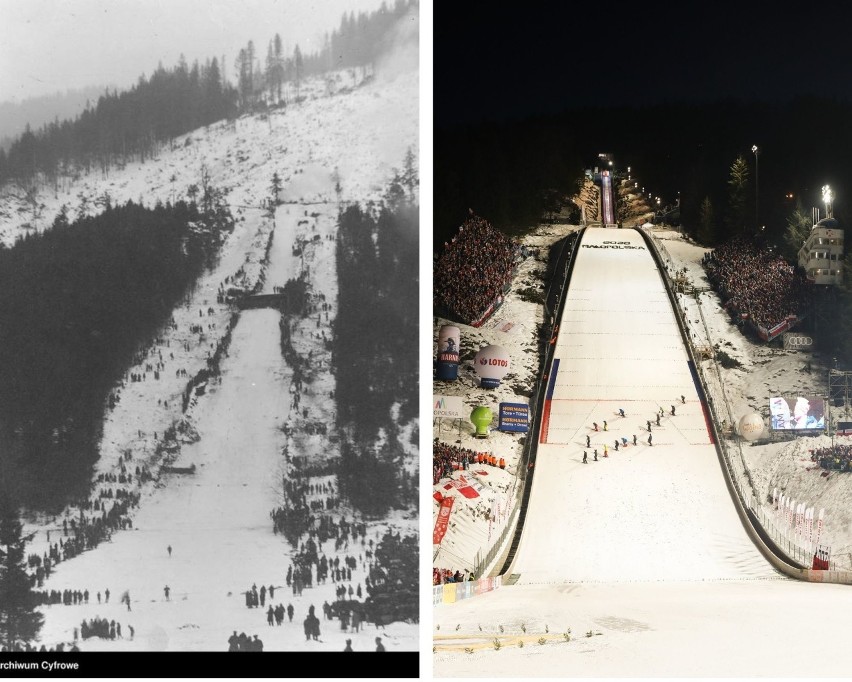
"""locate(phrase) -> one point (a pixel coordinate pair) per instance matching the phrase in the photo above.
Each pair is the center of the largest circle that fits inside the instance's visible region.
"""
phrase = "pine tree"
(279, 65)
(706, 232)
(798, 229)
(410, 178)
(298, 69)
(20, 621)
(394, 590)
(275, 188)
(736, 219)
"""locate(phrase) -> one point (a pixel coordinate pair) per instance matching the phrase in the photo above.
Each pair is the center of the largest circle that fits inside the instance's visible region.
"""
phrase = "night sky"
(493, 61)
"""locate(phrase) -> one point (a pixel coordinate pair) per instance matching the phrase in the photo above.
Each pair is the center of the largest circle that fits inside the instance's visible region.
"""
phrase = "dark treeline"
(134, 123)
(508, 173)
(395, 579)
(375, 346)
(39, 111)
(76, 304)
(504, 172)
(123, 125)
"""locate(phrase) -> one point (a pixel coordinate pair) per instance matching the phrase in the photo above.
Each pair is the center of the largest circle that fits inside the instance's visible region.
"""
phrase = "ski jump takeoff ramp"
(641, 551)
(643, 512)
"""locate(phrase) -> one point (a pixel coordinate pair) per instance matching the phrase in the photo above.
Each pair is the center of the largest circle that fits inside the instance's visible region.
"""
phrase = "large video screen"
(798, 413)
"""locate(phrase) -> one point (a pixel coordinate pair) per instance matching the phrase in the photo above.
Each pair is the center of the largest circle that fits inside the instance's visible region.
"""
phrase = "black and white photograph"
(209, 409)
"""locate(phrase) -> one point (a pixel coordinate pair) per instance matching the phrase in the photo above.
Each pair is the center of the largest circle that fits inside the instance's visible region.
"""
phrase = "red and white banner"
(464, 487)
(819, 525)
(443, 520)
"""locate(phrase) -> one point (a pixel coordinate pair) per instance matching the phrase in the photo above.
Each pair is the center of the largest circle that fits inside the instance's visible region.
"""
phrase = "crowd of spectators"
(838, 457)
(756, 283)
(448, 458)
(442, 576)
(473, 269)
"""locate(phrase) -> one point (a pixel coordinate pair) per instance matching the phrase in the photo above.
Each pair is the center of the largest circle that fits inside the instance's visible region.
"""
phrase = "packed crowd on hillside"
(472, 270)
(755, 282)
(447, 458)
(443, 576)
(838, 457)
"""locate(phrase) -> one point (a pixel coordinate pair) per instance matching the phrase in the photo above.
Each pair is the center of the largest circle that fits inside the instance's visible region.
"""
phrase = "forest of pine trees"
(394, 589)
(133, 124)
(84, 296)
(20, 621)
(375, 344)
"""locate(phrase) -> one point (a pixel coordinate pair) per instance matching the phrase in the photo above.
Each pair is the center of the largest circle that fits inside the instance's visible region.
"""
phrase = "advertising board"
(798, 413)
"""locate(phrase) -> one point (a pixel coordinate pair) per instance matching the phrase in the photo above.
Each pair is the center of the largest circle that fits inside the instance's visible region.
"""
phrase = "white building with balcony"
(821, 256)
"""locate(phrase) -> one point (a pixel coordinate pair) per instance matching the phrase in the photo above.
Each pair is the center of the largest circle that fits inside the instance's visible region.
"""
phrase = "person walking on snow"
(673, 414)
(649, 439)
(604, 425)
(588, 442)
(649, 425)
(634, 438)
(595, 425)
(585, 457)
(606, 451)
(683, 399)
(658, 419)
(596, 455)
(621, 411)
(616, 444)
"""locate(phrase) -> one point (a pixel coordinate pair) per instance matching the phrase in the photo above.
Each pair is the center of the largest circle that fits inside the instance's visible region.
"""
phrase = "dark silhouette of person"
(379, 645)
(234, 642)
(349, 645)
(312, 625)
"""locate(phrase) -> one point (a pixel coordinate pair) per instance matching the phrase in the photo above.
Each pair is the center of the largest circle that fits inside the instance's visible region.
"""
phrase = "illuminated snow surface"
(639, 557)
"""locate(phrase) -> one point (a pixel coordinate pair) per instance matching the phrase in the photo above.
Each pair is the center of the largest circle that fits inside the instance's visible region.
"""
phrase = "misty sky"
(49, 46)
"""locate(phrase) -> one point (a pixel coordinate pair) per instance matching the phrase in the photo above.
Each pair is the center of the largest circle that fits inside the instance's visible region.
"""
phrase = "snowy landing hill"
(771, 465)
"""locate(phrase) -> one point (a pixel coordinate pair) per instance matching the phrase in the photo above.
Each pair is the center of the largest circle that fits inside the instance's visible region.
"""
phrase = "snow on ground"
(217, 520)
(638, 558)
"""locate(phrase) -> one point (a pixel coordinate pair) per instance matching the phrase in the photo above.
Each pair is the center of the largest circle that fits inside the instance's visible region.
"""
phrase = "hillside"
(769, 466)
(246, 440)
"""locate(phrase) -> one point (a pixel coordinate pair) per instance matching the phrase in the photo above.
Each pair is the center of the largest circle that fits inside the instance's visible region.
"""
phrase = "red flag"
(469, 492)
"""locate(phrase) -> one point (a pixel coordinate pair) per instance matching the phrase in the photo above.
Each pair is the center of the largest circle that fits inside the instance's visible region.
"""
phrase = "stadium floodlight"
(827, 196)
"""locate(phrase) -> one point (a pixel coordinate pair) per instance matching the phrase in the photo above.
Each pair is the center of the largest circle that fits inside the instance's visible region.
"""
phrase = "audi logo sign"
(798, 342)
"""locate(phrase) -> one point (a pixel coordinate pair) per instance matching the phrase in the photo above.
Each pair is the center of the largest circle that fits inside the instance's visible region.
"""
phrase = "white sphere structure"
(751, 426)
